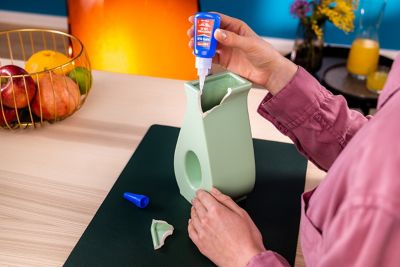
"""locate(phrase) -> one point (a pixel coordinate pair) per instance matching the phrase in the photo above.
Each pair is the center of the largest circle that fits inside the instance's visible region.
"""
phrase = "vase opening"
(193, 169)
(215, 90)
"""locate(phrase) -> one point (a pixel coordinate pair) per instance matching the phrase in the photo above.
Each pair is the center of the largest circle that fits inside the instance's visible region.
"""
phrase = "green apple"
(83, 77)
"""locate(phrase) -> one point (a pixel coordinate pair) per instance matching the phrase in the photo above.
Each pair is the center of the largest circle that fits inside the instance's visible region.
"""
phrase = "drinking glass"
(364, 53)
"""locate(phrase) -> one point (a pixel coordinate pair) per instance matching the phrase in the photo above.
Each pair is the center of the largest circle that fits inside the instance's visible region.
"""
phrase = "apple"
(8, 115)
(83, 77)
(58, 96)
(14, 81)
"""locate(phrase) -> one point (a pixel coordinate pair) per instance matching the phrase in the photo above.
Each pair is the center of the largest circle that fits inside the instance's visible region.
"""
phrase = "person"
(352, 218)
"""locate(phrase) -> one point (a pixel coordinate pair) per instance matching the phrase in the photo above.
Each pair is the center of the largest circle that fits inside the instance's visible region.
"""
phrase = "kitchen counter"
(54, 178)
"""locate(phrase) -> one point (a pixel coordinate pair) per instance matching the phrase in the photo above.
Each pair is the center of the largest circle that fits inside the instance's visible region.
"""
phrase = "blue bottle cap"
(139, 200)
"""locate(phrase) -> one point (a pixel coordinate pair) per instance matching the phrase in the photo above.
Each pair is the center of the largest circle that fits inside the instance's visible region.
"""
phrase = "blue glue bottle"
(205, 44)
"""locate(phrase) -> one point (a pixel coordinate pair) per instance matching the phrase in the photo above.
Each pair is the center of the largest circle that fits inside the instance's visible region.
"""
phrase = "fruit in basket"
(49, 59)
(17, 88)
(8, 115)
(58, 97)
(83, 77)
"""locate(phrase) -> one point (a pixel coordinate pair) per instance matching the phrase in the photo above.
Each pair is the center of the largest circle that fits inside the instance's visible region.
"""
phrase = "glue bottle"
(205, 44)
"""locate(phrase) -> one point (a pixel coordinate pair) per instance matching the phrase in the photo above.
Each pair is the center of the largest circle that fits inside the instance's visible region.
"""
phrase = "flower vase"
(215, 146)
(308, 48)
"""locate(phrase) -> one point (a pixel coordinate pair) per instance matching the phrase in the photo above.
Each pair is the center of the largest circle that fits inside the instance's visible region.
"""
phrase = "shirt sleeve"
(268, 258)
(363, 236)
(319, 123)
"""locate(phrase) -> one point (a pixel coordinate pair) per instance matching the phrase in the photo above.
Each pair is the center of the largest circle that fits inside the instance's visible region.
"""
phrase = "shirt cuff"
(268, 258)
(296, 102)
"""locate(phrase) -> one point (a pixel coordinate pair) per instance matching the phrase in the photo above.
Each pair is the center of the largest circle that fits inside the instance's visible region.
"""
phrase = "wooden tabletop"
(54, 178)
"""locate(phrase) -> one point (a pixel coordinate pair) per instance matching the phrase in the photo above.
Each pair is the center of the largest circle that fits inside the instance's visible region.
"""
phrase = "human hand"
(223, 231)
(242, 51)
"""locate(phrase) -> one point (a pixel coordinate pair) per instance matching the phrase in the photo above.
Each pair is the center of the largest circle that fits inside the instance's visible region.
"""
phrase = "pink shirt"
(353, 217)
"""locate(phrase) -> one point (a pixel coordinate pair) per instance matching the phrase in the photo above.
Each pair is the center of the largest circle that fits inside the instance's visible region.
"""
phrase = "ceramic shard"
(160, 230)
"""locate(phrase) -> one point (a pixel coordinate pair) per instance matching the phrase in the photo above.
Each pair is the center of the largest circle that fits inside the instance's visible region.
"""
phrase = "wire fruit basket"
(45, 76)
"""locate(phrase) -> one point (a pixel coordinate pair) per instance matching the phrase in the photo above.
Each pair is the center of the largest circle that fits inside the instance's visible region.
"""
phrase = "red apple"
(58, 96)
(7, 114)
(14, 81)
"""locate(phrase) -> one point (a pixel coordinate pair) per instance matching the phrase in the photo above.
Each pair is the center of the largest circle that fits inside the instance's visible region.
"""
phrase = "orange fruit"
(47, 60)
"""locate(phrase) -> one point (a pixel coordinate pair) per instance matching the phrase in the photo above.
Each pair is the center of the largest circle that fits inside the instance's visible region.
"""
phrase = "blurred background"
(146, 23)
(266, 17)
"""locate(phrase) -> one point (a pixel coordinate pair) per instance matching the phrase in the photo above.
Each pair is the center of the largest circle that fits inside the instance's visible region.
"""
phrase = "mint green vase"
(215, 147)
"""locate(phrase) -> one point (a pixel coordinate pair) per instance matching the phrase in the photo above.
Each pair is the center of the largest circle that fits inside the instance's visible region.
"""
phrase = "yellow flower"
(341, 15)
(339, 12)
(327, 3)
(317, 29)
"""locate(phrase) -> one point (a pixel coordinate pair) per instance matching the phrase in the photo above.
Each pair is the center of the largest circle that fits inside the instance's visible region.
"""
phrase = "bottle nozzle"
(202, 65)
(202, 73)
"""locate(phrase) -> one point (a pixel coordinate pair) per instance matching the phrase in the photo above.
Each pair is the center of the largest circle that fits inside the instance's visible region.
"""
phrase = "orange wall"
(145, 37)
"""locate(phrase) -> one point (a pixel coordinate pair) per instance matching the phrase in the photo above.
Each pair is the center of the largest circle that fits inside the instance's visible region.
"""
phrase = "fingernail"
(221, 33)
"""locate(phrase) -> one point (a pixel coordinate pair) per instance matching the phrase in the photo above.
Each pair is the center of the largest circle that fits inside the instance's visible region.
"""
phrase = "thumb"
(226, 200)
(232, 39)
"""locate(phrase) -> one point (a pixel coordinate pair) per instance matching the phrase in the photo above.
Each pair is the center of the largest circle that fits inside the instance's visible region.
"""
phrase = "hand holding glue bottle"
(243, 52)
(205, 44)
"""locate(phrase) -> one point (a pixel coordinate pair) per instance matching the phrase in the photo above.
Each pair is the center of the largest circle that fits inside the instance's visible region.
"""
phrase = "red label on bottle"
(204, 29)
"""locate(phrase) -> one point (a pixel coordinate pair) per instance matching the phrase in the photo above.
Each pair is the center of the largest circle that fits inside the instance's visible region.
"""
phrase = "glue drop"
(205, 44)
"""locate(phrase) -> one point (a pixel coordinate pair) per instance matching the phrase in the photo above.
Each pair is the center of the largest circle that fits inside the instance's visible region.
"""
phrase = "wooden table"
(54, 178)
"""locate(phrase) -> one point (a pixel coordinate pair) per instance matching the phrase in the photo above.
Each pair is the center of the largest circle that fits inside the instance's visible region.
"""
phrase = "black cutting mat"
(119, 233)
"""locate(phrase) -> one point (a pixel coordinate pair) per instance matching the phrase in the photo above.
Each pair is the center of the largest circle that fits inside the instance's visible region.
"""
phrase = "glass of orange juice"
(376, 80)
(363, 57)
(364, 52)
